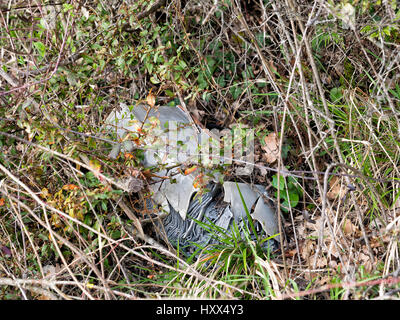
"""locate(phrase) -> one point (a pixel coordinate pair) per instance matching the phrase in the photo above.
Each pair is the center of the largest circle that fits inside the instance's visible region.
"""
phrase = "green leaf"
(210, 61)
(291, 202)
(275, 182)
(221, 81)
(294, 199)
(386, 30)
(169, 93)
(336, 94)
(154, 80)
(67, 7)
(235, 91)
(182, 64)
(40, 47)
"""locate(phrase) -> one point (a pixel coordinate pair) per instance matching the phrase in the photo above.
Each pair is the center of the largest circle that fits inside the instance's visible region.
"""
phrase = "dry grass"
(327, 86)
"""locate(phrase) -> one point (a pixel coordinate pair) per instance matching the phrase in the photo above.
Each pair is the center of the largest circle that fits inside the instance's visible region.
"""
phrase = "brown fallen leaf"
(336, 189)
(321, 261)
(151, 99)
(365, 261)
(290, 253)
(271, 148)
(333, 265)
(349, 228)
(316, 227)
(306, 249)
(263, 170)
(332, 250)
(20, 147)
(380, 241)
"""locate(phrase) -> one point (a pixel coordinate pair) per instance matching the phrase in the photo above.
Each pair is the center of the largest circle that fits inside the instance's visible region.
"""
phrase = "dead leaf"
(262, 168)
(332, 251)
(290, 253)
(307, 249)
(271, 148)
(70, 187)
(310, 275)
(190, 170)
(301, 231)
(333, 264)
(336, 189)
(128, 156)
(316, 227)
(96, 168)
(379, 241)
(6, 250)
(321, 261)
(349, 228)
(365, 261)
(151, 99)
(324, 280)
(272, 66)
(2, 201)
(20, 147)
(135, 184)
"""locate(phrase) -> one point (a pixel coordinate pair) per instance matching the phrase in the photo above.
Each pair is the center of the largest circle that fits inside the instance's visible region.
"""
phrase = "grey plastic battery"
(188, 214)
